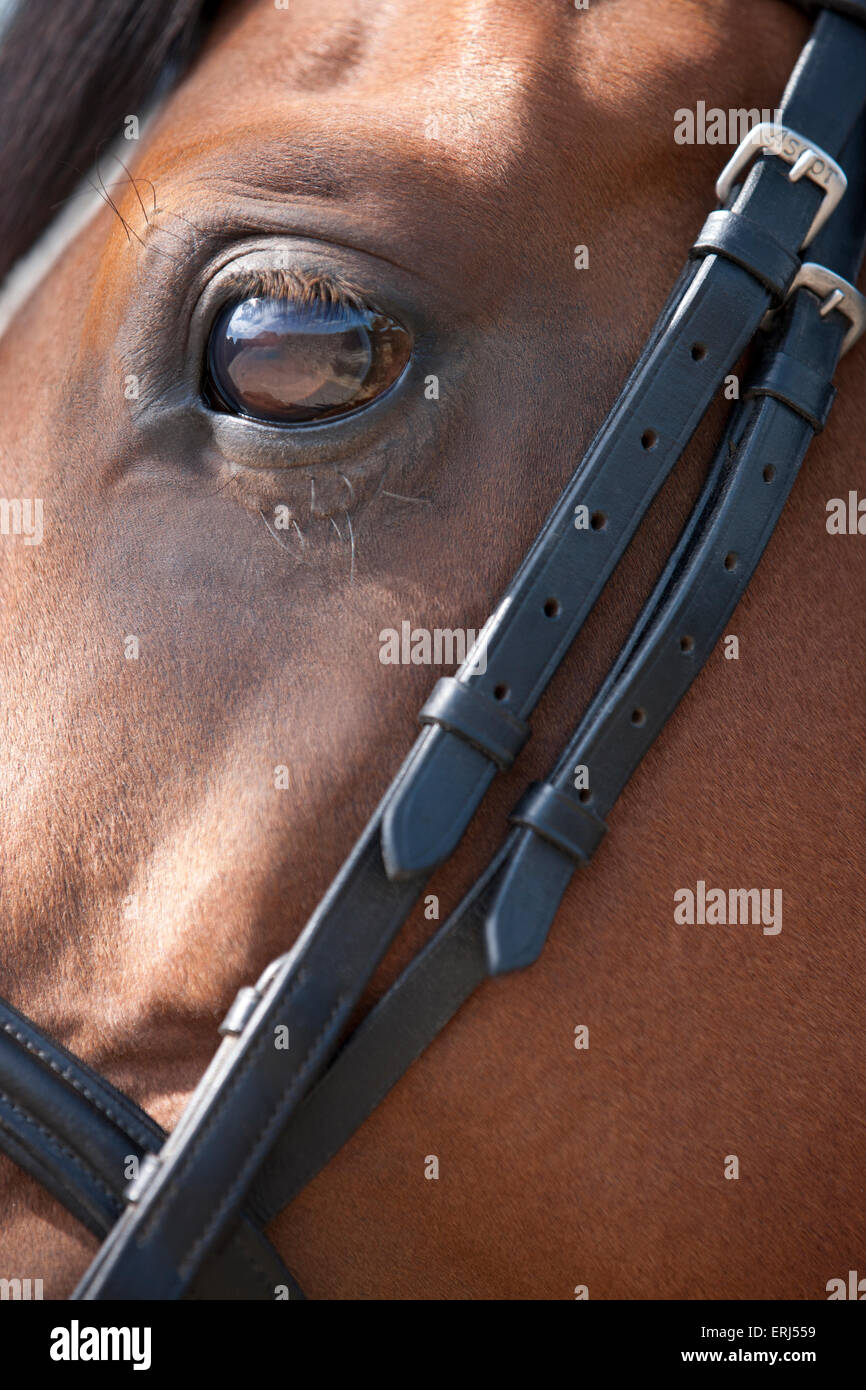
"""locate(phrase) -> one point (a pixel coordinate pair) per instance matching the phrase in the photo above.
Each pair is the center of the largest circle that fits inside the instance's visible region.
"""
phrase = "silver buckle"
(838, 294)
(808, 159)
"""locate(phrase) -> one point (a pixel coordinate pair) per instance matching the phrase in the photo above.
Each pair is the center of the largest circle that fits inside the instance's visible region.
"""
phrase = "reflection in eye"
(299, 351)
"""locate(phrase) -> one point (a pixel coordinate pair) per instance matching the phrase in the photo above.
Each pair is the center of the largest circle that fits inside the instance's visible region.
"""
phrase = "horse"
(506, 178)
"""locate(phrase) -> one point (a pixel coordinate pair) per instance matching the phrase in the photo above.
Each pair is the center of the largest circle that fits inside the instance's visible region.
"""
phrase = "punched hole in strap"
(563, 822)
(484, 723)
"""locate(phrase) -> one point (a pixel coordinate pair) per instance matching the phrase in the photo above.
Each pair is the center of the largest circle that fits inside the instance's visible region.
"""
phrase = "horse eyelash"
(309, 288)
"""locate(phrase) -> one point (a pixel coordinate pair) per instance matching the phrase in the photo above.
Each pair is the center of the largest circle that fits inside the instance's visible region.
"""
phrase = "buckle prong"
(829, 304)
(807, 159)
(834, 293)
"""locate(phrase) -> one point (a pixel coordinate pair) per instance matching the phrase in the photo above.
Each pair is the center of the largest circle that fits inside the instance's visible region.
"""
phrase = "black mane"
(69, 74)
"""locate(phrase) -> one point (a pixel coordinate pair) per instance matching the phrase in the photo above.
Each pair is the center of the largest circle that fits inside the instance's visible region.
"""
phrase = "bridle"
(265, 1119)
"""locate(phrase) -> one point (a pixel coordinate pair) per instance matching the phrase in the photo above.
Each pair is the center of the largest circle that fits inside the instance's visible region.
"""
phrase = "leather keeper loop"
(484, 723)
(808, 392)
(747, 244)
(573, 829)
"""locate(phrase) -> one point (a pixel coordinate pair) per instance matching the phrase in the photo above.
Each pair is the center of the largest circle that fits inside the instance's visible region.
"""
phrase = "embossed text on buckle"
(808, 159)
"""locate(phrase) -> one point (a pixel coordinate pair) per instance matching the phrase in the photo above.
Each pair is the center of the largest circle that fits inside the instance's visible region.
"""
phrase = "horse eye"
(292, 362)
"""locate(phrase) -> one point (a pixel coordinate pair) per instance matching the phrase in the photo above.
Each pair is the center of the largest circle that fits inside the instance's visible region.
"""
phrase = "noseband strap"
(85, 1141)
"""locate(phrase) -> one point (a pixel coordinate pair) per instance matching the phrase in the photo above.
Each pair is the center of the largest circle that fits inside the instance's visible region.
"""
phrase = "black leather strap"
(709, 571)
(265, 1083)
(75, 1133)
(231, 1125)
(66, 1126)
(482, 722)
(409, 1016)
(503, 922)
(856, 9)
(747, 243)
(804, 389)
(715, 316)
(501, 925)
(573, 828)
